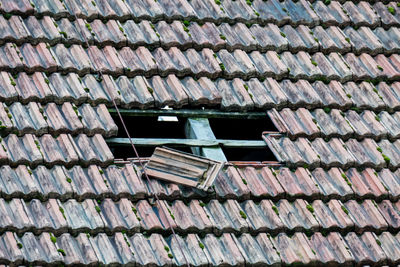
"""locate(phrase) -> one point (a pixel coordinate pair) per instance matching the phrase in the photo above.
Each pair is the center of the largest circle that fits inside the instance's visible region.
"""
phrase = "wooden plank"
(187, 113)
(199, 128)
(186, 142)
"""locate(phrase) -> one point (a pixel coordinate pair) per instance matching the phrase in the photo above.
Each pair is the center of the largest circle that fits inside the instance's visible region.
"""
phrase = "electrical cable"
(133, 146)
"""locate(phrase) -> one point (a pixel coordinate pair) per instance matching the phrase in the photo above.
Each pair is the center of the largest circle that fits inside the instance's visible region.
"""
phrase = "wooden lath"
(187, 142)
(191, 113)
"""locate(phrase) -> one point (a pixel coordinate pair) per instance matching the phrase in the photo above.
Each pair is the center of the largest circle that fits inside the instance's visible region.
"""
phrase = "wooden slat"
(186, 142)
(186, 113)
(199, 128)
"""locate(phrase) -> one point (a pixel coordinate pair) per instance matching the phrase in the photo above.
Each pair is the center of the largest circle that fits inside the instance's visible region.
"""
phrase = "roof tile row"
(80, 183)
(231, 95)
(208, 35)
(195, 216)
(335, 152)
(278, 12)
(335, 123)
(242, 184)
(198, 63)
(260, 250)
(34, 118)
(66, 150)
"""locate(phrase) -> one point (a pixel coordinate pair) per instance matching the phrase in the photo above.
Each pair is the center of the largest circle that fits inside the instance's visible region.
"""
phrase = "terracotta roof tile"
(365, 248)
(389, 245)
(294, 250)
(386, 17)
(330, 249)
(331, 215)
(366, 215)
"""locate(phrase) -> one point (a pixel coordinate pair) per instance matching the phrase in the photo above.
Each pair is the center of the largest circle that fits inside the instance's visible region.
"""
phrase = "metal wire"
(134, 148)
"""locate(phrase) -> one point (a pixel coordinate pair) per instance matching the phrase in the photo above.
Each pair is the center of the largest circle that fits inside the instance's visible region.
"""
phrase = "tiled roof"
(294, 213)
(327, 73)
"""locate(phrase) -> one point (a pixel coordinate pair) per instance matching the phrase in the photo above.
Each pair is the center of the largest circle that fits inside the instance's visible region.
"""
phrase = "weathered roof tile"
(328, 249)
(389, 244)
(296, 216)
(365, 248)
(366, 215)
(22, 6)
(294, 250)
(258, 251)
(386, 17)
(262, 182)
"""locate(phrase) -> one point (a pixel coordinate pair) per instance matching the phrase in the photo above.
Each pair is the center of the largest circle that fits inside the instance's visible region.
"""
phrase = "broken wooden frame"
(183, 168)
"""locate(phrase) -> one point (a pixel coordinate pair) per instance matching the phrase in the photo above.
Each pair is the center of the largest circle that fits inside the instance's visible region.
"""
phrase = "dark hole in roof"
(150, 127)
(241, 129)
(249, 154)
(124, 152)
(223, 128)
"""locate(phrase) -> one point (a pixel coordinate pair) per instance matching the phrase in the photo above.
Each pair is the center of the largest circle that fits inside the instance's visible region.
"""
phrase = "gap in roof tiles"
(126, 152)
(241, 129)
(249, 154)
(239, 134)
(150, 127)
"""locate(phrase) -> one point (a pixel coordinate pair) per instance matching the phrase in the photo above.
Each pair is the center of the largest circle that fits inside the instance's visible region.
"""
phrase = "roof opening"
(151, 127)
(248, 154)
(241, 129)
(214, 135)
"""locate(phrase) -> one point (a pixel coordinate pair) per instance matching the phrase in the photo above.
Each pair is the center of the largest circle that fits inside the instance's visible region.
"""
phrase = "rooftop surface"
(326, 73)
